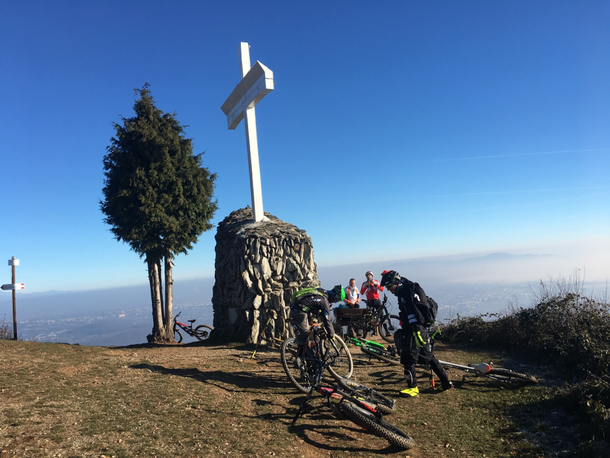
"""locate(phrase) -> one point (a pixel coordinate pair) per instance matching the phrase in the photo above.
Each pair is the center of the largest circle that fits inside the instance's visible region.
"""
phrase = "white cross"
(256, 83)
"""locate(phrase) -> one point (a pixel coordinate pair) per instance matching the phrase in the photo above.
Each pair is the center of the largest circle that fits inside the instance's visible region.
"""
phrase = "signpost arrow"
(12, 286)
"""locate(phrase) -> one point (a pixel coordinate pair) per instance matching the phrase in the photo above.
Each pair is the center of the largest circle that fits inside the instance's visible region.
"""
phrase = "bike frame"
(334, 393)
(185, 327)
(479, 369)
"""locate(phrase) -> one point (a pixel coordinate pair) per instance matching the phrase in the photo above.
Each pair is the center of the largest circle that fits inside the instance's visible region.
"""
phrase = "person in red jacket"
(370, 290)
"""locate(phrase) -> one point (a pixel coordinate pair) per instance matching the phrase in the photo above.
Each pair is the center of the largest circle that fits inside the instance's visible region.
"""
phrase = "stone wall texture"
(259, 265)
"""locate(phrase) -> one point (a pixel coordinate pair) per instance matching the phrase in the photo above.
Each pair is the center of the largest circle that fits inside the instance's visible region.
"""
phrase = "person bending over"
(417, 347)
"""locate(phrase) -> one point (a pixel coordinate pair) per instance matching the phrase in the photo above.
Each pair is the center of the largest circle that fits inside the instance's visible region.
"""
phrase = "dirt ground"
(203, 400)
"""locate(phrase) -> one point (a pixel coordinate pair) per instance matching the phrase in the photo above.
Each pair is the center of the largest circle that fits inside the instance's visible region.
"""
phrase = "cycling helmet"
(390, 277)
(336, 294)
(368, 272)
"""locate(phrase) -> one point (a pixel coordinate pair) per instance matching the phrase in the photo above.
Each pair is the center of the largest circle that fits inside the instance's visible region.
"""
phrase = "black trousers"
(412, 355)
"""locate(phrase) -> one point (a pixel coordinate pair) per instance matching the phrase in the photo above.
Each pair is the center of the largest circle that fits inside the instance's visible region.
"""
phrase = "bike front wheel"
(339, 359)
(377, 426)
(203, 331)
(177, 336)
(295, 368)
(388, 325)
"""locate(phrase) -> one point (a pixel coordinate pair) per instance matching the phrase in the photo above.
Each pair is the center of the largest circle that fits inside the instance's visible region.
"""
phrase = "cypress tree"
(158, 198)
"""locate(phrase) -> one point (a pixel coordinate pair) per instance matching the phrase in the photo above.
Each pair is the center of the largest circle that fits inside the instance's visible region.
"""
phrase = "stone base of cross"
(257, 82)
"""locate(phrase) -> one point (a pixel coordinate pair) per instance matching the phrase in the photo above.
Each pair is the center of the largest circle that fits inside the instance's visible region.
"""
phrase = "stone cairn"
(259, 266)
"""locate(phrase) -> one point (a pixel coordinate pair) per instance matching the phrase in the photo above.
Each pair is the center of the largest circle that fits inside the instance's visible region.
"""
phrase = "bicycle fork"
(303, 407)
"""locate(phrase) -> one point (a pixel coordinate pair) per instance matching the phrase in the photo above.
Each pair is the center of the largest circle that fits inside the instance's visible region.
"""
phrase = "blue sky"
(396, 130)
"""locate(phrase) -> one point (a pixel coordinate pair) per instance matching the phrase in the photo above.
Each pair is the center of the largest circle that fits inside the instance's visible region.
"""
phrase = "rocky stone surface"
(259, 265)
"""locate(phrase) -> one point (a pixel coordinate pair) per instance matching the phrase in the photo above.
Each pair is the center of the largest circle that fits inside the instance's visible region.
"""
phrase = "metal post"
(13, 281)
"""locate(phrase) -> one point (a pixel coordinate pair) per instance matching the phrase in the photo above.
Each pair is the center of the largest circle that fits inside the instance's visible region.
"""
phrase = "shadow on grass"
(246, 381)
(335, 439)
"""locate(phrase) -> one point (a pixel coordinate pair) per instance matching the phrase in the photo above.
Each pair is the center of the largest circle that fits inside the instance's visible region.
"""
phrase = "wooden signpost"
(13, 287)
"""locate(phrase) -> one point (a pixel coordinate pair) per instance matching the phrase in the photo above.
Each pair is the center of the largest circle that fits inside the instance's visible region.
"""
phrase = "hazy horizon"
(466, 285)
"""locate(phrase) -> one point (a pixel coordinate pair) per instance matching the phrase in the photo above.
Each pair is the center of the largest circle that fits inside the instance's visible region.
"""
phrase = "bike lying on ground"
(376, 350)
(267, 334)
(201, 332)
(305, 365)
(498, 374)
(369, 321)
(361, 405)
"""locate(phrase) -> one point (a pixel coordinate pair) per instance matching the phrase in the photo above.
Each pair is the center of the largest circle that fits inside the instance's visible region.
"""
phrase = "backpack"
(428, 312)
(304, 292)
(399, 340)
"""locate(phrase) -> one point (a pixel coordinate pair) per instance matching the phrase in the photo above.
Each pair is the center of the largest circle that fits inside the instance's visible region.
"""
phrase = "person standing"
(417, 347)
(370, 290)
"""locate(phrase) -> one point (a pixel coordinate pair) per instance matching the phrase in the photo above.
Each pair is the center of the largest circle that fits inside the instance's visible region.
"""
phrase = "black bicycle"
(369, 321)
(499, 374)
(361, 405)
(305, 365)
(201, 332)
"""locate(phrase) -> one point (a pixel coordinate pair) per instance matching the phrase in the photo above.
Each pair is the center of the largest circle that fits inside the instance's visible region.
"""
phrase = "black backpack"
(429, 313)
(427, 307)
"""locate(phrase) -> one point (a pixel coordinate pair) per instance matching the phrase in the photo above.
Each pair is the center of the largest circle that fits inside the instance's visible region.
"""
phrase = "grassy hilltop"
(213, 400)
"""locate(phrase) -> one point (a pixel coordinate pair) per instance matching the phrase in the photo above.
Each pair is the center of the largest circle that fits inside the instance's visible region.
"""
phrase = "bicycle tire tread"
(376, 426)
(384, 335)
(301, 387)
(202, 332)
(350, 362)
(512, 376)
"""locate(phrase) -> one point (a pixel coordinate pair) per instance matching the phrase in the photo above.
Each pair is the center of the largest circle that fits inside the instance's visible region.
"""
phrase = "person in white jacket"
(352, 295)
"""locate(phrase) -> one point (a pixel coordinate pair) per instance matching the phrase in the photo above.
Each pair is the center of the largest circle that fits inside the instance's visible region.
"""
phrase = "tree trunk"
(157, 334)
(160, 282)
(169, 296)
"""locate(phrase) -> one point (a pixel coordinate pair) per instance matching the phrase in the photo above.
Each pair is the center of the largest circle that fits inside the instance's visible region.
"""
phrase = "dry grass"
(206, 400)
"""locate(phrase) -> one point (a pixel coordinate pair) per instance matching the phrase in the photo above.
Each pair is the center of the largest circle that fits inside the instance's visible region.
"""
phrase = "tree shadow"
(244, 380)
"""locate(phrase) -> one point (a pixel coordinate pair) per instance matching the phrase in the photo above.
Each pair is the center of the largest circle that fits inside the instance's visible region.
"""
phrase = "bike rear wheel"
(296, 370)
(380, 356)
(203, 331)
(509, 376)
(177, 336)
(377, 426)
(340, 359)
(388, 325)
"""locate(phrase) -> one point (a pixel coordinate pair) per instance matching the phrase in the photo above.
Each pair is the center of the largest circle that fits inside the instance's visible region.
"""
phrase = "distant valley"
(123, 316)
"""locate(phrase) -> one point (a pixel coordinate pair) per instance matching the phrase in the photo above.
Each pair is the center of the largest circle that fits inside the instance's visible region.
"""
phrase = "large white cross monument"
(256, 83)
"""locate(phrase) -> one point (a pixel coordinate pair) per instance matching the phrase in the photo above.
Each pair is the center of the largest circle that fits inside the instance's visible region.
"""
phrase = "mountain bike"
(201, 332)
(305, 365)
(268, 332)
(498, 374)
(376, 350)
(369, 321)
(361, 405)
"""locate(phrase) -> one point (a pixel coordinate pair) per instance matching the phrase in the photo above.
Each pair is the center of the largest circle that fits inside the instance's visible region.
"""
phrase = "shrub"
(564, 330)
(6, 330)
